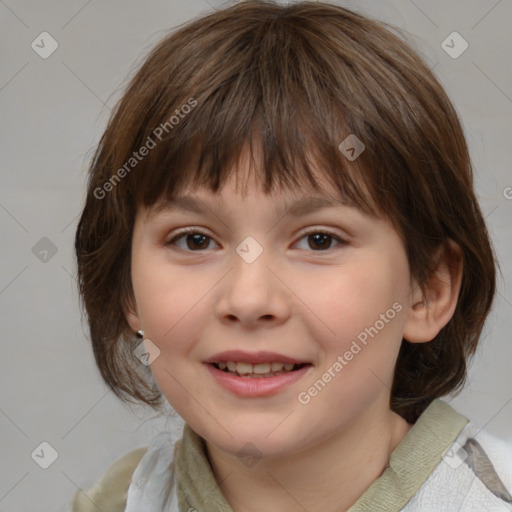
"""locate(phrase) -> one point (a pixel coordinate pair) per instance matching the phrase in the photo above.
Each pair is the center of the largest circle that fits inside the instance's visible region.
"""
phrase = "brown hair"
(296, 79)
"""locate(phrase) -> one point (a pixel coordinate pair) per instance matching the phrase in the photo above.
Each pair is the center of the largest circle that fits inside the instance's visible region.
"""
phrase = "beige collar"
(410, 464)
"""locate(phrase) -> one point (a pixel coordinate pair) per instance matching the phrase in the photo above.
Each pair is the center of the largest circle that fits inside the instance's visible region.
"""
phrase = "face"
(325, 288)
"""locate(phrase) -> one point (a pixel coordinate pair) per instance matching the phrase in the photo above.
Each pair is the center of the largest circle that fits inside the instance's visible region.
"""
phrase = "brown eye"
(194, 241)
(320, 241)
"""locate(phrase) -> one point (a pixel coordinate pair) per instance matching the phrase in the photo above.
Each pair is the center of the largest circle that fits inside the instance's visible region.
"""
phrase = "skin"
(299, 298)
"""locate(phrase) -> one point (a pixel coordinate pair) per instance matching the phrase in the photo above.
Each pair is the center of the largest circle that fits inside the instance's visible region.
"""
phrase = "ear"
(432, 309)
(132, 316)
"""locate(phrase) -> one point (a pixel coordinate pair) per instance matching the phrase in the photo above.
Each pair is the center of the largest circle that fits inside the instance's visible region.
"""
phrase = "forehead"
(292, 200)
(246, 183)
(283, 203)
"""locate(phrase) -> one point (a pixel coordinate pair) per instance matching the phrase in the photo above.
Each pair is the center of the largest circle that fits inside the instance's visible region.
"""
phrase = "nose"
(254, 293)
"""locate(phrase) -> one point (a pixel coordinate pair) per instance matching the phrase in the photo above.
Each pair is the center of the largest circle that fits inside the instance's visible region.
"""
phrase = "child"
(309, 374)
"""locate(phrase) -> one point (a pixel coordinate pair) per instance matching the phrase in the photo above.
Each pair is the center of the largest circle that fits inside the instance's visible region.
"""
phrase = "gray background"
(53, 111)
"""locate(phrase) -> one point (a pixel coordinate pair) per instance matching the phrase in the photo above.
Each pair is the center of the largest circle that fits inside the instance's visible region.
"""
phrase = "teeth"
(243, 368)
(261, 368)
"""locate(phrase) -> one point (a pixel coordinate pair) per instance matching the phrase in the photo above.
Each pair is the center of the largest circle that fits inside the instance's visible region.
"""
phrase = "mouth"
(256, 374)
(259, 370)
(257, 380)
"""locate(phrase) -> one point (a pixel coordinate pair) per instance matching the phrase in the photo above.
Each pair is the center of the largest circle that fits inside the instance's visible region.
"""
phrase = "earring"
(140, 334)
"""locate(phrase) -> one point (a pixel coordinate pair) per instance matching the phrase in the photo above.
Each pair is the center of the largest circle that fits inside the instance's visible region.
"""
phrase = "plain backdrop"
(52, 113)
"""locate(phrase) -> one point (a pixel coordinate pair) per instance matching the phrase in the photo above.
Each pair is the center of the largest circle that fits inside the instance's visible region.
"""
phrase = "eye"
(321, 239)
(193, 238)
(196, 241)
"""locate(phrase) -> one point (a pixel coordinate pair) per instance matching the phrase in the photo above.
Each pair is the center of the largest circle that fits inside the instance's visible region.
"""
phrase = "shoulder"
(491, 453)
(487, 463)
(110, 493)
(475, 474)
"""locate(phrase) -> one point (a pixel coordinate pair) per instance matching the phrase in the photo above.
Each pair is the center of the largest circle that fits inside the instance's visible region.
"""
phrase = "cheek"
(173, 304)
(352, 298)
(362, 316)
(174, 313)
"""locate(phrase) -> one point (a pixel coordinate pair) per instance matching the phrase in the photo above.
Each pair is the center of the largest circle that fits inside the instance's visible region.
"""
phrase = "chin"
(251, 440)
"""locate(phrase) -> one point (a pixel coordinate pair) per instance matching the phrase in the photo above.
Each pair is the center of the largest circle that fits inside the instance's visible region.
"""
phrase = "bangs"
(279, 158)
(275, 98)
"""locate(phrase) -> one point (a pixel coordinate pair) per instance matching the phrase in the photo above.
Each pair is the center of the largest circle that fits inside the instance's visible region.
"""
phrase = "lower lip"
(250, 386)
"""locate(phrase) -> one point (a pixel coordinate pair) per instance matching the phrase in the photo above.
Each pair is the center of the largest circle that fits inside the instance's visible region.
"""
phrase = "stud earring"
(140, 334)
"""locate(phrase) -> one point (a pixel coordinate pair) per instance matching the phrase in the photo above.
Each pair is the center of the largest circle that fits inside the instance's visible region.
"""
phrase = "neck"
(330, 476)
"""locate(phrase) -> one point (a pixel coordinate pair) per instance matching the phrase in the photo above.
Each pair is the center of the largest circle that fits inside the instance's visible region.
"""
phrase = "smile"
(260, 370)
(256, 380)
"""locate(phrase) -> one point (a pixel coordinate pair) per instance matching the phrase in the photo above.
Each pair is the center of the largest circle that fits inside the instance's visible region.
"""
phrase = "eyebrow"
(299, 208)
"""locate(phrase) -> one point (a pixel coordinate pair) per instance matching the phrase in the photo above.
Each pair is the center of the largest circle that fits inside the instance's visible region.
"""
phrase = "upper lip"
(254, 357)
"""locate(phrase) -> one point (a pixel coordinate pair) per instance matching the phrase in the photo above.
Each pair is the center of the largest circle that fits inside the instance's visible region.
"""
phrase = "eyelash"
(192, 230)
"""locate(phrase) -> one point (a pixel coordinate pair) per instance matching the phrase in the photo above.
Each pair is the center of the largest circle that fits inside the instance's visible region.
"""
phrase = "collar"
(410, 464)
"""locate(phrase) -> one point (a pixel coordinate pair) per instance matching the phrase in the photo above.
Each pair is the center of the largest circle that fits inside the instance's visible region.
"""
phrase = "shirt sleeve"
(110, 493)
